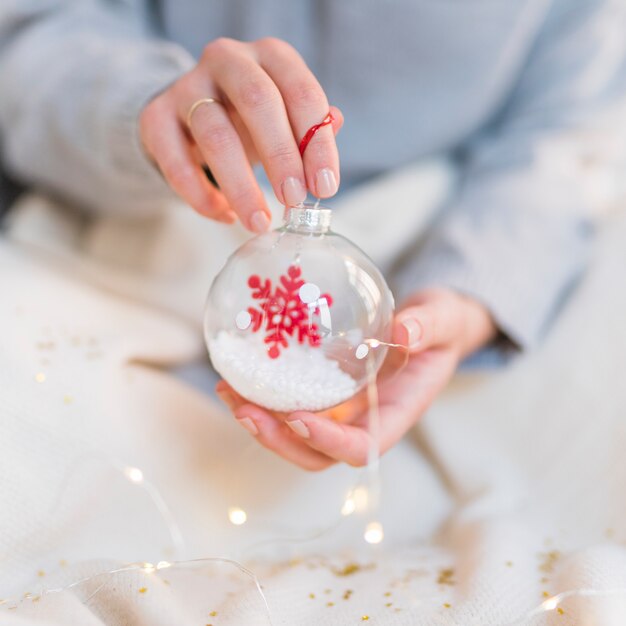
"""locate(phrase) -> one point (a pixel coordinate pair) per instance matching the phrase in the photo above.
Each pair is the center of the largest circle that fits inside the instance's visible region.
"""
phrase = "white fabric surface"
(515, 480)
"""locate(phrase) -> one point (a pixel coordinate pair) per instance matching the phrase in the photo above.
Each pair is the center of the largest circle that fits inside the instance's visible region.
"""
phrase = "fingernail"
(259, 222)
(414, 332)
(249, 425)
(293, 191)
(299, 427)
(325, 183)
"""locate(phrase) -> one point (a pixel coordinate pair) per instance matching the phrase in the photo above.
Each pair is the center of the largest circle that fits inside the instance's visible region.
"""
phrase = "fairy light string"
(356, 500)
(363, 497)
(146, 568)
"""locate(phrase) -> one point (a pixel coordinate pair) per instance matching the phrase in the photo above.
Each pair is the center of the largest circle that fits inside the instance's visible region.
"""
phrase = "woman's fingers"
(271, 432)
(168, 145)
(266, 99)
(442, 317)
(229, 396)
(306, 105)
(341, 442)
(275, 435)
(402, 400)
(434, 321)
(222, 150)
(259, 103)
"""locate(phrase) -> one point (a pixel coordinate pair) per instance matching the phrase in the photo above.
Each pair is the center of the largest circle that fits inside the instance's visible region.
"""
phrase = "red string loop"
(329, 119)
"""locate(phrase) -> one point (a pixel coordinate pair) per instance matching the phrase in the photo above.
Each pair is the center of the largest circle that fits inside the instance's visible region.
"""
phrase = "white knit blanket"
(506, 505)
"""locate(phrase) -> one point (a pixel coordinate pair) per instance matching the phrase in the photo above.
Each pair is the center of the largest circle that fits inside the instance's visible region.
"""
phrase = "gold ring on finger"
(198, 103)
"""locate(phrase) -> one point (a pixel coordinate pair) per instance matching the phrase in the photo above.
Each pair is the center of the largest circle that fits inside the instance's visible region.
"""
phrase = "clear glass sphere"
(298, 318)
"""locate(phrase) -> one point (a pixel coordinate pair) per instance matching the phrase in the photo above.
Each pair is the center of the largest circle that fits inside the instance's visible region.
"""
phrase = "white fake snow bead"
(301, 378)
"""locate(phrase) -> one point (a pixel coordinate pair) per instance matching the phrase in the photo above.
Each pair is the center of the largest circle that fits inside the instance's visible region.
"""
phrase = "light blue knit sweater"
(527, 94)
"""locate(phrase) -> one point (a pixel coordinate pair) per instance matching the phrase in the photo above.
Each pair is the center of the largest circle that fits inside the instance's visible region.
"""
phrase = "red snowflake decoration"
(282, 311)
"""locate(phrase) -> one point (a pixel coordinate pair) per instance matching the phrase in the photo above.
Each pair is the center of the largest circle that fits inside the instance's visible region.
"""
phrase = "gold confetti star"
(327, 590)
(509, 563)
(347, 594)
(549, 560)
(387, 594)
(330, 604)
(560, 611)
(213, 613)
(348, 570)
(545, 594)
(40, 377)
(312, 596)
(389, 604)
(67, 399)
(446, 577)
(446, 605)
(143, 590)
(41, 573)
(365, 618)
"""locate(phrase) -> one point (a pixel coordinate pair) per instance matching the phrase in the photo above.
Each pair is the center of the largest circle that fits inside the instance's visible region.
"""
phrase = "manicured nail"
(414, 332)
(259, 222)
(325, 183)
(293, 191)
(249, 425)
(299, 427)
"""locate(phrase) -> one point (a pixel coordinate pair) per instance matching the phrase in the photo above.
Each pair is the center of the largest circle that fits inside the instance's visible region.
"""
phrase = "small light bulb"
(134, 474)
(349, 506)
(163, 565)
(237, 516)
(148, 568)
(361, 498)
(550, 604)
(374, 532)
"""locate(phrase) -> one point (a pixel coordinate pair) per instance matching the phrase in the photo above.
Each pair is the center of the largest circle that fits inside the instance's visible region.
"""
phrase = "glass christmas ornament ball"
(299, 317)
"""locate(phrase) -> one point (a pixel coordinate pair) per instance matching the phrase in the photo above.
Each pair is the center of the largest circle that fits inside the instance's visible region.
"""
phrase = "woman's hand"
(440, 327)
(267, 100)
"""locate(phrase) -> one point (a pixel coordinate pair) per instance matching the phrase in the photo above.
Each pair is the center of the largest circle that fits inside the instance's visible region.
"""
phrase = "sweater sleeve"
(517, 234)
(74, 76)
